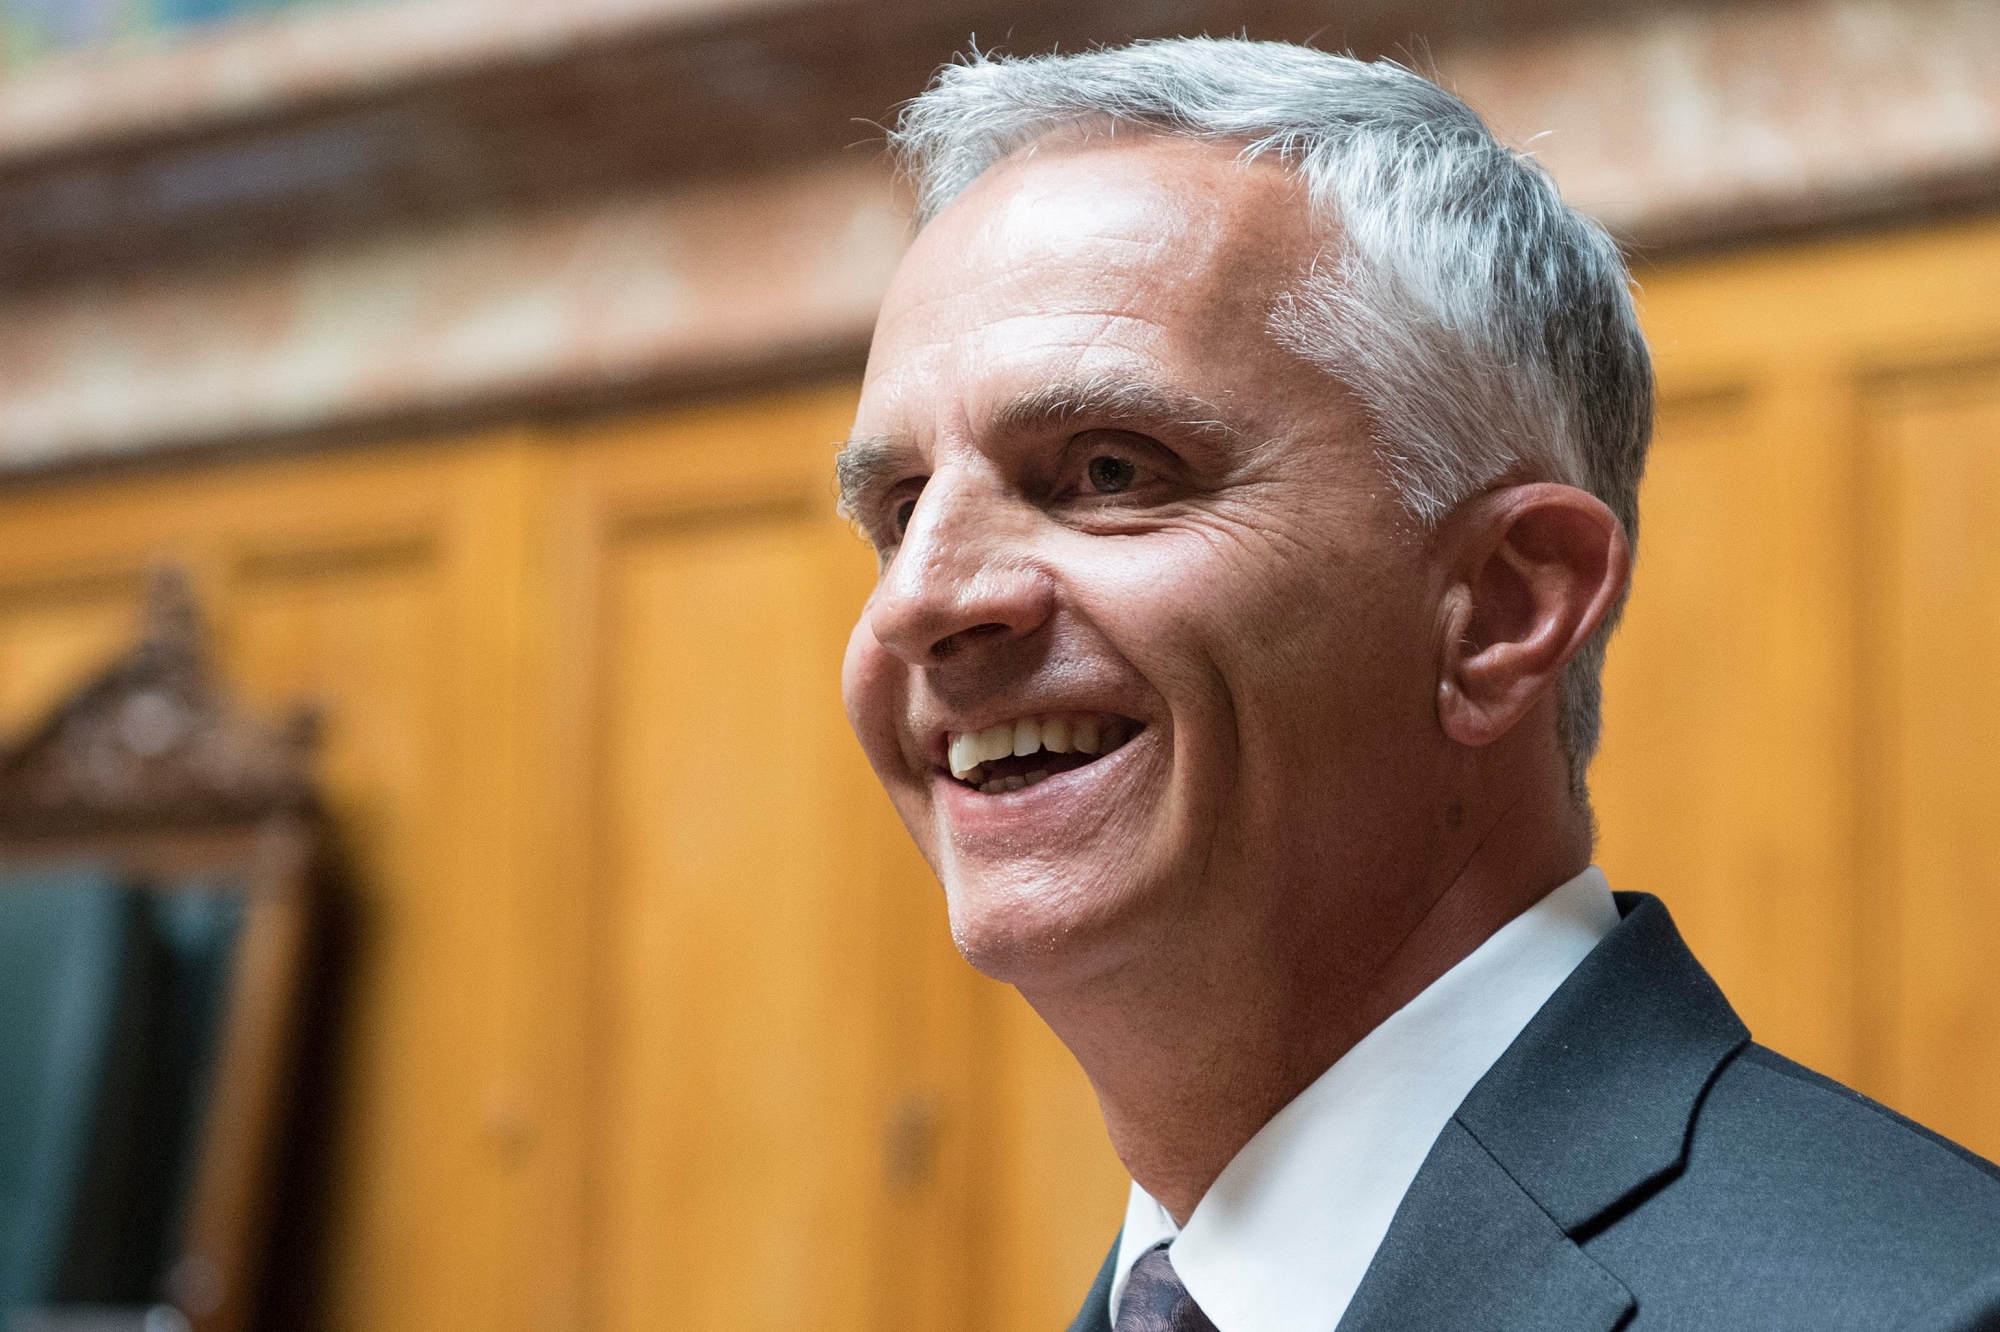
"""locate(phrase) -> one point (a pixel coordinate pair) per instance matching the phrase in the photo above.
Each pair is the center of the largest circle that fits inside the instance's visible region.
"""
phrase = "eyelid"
(1154, 460)
(893, 498)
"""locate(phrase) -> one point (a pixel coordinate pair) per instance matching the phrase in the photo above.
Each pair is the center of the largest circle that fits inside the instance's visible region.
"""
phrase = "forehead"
(1136, 257)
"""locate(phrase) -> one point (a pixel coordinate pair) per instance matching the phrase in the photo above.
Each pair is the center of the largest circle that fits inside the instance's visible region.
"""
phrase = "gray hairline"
(1358, 318)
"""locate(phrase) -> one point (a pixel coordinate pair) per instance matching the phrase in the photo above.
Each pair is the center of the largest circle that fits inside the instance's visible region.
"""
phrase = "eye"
(1110, 474)
(905, 510)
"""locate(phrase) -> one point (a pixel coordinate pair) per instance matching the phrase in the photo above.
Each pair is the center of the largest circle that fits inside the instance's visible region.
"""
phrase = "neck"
(1195, 1048)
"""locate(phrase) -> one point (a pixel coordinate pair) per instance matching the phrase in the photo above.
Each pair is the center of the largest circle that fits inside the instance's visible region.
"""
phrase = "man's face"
(1105, 499)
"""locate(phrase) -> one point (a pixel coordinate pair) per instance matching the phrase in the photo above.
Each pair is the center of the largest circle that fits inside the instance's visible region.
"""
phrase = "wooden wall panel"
(737, 1148)
(385, 587)
(357, 631)
(1934, 787)
(784, 1123)
(656, 1017)
(1674, 789)
(388, 591)
(935, 1121)
(1722, 786)
(1055, 1188)
(54, 633)
(1791, 759)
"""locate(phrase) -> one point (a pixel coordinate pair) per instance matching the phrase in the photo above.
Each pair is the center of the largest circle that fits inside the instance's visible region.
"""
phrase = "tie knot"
(1156, 1301)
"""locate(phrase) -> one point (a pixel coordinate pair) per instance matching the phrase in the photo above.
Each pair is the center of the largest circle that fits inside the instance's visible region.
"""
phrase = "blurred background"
(466, 373)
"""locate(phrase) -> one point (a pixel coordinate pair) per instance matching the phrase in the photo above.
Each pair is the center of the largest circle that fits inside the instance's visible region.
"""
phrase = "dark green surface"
(67, 942)
(111, 1004)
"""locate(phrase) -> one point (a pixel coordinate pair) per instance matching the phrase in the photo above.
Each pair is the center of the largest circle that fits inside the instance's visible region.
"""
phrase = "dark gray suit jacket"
(1634, 1162)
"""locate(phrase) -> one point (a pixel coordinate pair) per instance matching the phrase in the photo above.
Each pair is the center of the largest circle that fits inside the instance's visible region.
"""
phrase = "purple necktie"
(1156, 1301)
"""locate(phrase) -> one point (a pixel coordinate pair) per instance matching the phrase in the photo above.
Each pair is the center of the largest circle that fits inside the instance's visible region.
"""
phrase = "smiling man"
(1252, 447)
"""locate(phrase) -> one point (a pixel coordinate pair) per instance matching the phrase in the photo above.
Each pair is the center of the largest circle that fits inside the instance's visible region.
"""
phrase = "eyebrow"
(1123, 401)
(868, 464)
(865, 466)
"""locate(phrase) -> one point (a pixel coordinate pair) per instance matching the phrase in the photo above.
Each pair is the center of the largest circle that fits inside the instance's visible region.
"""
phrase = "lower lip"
(1061, 796)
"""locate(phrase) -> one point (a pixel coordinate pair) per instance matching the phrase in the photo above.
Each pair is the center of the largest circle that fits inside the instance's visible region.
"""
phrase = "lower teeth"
(1002, 785)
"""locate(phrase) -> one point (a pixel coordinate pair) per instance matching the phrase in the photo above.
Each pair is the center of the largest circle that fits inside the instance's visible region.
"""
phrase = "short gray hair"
(1485, 325)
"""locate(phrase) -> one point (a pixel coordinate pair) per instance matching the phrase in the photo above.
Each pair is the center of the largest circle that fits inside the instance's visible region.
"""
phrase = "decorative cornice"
(275, 66)
(558, 304)
(303, 62)
(315, 129)
(607, 198)
(1683, 128)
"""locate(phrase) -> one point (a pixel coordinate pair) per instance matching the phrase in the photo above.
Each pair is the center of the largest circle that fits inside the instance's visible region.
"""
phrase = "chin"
(1030, 929)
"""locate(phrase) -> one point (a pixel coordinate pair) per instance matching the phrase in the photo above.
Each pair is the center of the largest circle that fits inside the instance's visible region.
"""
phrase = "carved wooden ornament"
(153, 741)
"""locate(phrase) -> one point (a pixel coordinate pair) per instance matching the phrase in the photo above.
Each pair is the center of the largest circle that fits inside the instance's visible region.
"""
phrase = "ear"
(1533, 570)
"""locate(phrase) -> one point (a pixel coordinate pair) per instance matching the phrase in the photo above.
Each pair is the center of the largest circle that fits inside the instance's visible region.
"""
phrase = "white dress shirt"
(1280, 1241)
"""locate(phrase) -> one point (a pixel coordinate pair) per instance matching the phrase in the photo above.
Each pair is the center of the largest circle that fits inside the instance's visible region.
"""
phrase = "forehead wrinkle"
(987, 278)
(974, 338)
(1095, 324)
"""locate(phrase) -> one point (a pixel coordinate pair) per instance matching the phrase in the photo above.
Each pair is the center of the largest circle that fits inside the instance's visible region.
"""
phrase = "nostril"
(951, 643)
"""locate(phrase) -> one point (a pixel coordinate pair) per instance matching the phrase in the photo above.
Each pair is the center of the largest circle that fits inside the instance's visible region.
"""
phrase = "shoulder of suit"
(1836, 1122)
(1801, 1203)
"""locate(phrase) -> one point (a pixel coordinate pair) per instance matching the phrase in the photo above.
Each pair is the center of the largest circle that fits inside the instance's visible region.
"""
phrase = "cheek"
(1163, 603)
(856, 677)
(1348, 681)
(870, 688)
(1296, 642)
(1221, 598)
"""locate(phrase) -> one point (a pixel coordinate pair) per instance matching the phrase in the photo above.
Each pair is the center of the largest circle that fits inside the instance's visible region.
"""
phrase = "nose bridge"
(951, 531)
(961, 572)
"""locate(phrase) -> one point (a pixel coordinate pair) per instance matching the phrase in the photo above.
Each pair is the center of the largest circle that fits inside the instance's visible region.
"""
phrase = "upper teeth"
(1020, 738)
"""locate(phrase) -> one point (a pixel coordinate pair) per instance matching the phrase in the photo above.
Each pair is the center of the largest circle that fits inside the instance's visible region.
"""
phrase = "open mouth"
(1016, 754)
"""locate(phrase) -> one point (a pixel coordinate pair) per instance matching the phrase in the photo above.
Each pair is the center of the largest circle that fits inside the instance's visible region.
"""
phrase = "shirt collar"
(1280, 1241)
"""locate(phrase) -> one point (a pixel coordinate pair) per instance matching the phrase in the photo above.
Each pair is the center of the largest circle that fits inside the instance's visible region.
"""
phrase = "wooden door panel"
(380, 584)
(356, 633)
(783, 1116)
(737, 1030)
(1934, 807)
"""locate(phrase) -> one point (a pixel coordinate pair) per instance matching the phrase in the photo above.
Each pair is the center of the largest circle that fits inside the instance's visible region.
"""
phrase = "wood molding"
(1681, 129)
(388, 227)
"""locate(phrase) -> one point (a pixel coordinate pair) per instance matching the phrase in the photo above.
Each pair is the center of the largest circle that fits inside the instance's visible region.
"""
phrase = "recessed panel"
(1711, 791)
(1933, 775)
(362, 639)
(742, 1154)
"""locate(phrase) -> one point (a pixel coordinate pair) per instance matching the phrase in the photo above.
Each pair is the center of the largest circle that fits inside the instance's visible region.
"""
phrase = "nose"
(963, 578)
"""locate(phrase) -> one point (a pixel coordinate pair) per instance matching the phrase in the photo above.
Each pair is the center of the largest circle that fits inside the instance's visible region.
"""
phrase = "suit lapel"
(1590, 1107)
(1470, 1251)
(1584, 1117)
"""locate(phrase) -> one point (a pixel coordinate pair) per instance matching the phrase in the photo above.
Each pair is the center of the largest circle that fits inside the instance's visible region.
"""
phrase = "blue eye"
(1109, 475)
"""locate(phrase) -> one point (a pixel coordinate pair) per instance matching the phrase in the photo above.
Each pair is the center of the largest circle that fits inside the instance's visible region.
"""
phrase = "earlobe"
(1537, 568)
